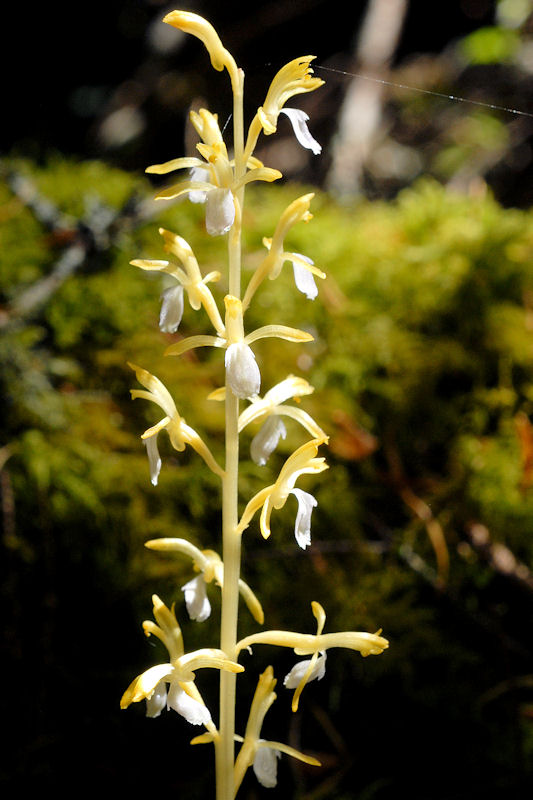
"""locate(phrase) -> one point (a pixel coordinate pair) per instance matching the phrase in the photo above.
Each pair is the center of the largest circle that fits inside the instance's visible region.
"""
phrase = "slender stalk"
(231, 539)
(230, 600)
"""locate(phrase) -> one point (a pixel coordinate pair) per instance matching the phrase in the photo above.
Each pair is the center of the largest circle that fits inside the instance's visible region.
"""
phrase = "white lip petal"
(193, 711)
(157, 702)
(302, 527)
(293, 678)
(154, 460)
(298, 121)
(202, 175)
(242, 372)
(305, 283)
(171, 309)
(265, 766)
(219, 211)
(266, 439)
(196, 599)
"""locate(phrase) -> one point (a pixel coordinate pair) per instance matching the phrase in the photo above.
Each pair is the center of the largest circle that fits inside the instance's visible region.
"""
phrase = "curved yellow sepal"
(191, 23)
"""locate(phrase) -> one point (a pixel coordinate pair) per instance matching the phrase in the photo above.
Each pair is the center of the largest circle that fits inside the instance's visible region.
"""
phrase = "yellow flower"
(256, 752)
(273, 262)
(182, 695)
(211, 567)
(269, 409)
(203, 30)
(294, 78)
(213, 178)
(302, 461)
(242, 373)
(315, 646)
(179, 432)
(189, 278)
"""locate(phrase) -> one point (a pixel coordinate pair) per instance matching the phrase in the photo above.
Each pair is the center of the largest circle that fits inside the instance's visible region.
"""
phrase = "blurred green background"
(423, 372)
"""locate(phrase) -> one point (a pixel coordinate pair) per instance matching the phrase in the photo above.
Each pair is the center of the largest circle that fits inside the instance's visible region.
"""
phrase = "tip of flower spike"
(196, 25)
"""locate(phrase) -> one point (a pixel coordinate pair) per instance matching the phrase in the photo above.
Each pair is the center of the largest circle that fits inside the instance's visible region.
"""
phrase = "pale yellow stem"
(230, 601)
(231, 540)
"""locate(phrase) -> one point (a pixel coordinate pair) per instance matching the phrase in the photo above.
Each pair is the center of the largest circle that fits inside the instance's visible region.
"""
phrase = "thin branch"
(361, 111)
(100, 228)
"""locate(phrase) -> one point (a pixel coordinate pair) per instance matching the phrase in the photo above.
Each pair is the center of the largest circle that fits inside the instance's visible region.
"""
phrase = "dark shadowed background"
(109, 80)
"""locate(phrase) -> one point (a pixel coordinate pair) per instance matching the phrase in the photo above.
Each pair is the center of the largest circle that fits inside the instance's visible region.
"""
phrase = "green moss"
(422, 367)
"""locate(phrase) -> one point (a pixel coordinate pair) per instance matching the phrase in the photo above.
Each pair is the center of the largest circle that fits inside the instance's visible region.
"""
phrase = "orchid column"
(218, 180)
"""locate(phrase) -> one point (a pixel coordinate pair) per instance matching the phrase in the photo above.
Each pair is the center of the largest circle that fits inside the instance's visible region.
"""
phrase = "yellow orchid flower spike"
(315, 646)
(217, 174)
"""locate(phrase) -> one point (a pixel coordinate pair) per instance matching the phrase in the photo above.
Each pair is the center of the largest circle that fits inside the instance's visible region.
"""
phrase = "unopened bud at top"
(197, 26)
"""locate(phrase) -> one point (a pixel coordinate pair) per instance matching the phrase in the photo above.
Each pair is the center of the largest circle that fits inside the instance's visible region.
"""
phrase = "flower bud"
(203, 30)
